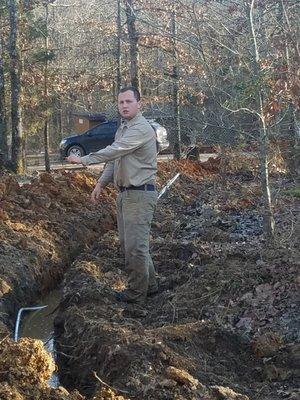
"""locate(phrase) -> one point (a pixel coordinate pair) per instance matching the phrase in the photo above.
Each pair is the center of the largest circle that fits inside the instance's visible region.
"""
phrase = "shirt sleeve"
(107, 175)
(132, 139)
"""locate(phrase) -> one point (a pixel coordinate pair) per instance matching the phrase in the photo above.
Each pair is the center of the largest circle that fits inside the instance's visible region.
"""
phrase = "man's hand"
(95, 196)
(73, 159)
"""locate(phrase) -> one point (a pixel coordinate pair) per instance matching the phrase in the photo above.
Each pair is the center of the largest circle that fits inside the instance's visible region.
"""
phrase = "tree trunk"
(118, 49)
(296, 126)
(3, 119)
(133, 43)
(296, 149)
(17, 150)
(268, 218)
(176, 90)
(46, 144)
(46, 120)
(291, 154)
(60, 119)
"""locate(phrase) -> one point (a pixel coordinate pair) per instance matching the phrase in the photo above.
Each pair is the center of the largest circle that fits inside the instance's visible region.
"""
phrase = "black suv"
(101, 136)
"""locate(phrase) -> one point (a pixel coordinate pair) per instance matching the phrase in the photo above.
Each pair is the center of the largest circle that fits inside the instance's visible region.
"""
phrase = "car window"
(105, 128)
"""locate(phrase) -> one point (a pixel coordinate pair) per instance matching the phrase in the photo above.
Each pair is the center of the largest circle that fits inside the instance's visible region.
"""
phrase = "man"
(132, 166)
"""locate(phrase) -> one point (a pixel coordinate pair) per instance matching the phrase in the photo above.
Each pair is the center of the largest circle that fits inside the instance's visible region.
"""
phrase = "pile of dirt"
(43, 225)
(25, 369)
(30, 354)
(193, 170)
(224, 324)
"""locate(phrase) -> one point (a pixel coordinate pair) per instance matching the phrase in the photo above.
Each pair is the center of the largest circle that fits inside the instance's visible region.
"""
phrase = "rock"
(274, 373)
(4, 287)
(295, 395)
(225, 393)
(181, 376)
(45, 177)
(264, 291)
(101, 394)
(2, 189)
(267, 345)
(168, 383)
(245, 323)
(3, 215)
(247, 297)
(62, 391)
(43, 201)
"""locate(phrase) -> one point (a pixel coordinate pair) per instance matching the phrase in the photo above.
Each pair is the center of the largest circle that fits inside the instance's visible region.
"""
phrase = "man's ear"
(140, 104)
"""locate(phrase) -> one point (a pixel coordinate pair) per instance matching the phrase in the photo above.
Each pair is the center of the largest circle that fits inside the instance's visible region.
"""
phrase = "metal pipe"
(169, 183)
(19, 318)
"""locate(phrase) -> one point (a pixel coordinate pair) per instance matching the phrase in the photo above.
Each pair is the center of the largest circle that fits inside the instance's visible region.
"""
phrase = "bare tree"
(46, 92)
(3, 120)
(292, 56)
(264, 134)
(133, 44)
(118, 47)
(18, 157)
(176, 88)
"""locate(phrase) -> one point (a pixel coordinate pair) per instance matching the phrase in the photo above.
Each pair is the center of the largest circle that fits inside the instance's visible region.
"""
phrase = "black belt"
(147, 187)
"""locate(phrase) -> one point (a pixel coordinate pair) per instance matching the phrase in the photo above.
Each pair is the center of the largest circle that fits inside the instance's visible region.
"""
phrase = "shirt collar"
(130, 122)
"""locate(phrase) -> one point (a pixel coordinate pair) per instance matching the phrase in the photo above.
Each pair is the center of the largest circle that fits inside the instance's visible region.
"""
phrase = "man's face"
(128, 105)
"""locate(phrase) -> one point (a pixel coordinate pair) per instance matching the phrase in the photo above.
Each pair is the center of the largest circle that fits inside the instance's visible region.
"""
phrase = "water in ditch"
(39, 325)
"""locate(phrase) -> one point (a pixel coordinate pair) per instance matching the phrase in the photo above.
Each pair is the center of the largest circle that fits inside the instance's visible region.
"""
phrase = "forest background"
(218, 72)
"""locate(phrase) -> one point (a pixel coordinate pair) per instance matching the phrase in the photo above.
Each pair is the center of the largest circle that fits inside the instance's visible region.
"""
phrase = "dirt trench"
(44, 224)
(224, 325)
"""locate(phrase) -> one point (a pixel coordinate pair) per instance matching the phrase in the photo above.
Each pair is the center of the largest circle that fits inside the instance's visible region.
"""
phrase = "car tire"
(75, 150)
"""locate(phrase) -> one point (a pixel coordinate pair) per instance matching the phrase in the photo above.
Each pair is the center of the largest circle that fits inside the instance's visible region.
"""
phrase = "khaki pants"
(135, 210)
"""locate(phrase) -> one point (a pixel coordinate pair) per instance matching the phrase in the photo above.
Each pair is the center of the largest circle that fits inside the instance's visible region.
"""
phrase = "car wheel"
(75, 151)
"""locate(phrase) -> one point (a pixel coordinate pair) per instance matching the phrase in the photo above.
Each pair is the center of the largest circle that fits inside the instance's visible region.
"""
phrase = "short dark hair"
(134, 90)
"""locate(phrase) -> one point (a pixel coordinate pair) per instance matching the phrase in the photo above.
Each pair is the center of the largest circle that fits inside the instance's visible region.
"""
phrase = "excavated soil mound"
(43, 225)
(37, 365)
(25, 370)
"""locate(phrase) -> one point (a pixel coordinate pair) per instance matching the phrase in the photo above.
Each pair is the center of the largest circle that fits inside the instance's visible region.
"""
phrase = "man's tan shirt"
(132, 158)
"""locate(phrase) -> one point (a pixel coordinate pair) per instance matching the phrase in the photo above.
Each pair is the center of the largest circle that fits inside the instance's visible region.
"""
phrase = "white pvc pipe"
(169, 183)
(19, 318)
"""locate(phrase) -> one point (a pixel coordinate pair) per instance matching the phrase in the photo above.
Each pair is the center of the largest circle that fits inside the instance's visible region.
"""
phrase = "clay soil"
(225, 323)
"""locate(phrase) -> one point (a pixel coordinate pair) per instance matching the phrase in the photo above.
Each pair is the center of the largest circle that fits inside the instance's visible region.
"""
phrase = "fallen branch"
(107, 385)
